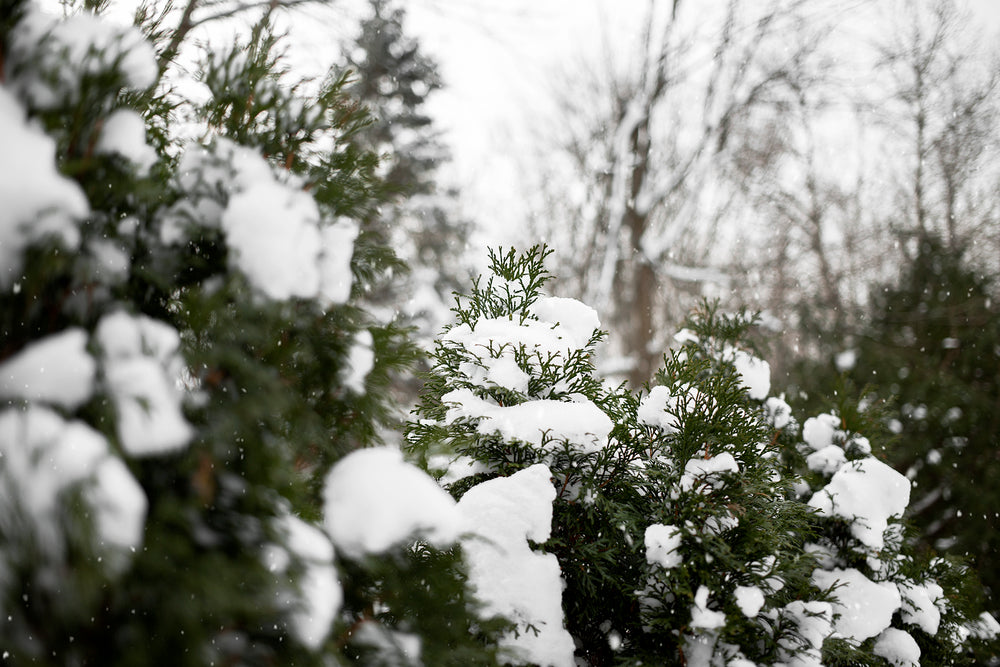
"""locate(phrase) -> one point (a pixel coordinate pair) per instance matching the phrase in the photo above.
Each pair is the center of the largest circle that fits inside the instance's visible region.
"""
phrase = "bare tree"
(644, 143)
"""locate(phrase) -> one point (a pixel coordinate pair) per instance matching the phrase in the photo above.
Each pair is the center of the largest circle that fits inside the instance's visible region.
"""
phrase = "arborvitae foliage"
(930, 355)
(184, 360)
(691, 523)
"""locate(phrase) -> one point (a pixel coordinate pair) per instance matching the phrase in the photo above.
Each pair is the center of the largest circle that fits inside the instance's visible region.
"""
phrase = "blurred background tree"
(930, 352)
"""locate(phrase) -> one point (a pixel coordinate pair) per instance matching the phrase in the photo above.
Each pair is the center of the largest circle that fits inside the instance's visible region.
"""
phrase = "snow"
(374, 501)
(867, 493)
(750, 600)
(337, 248)
(272, 231)
(37, 200)
(582, 424)
(984, 627)
(865, 607)
(778, 411)
(501, 371)
(828, 460)
(814, 621)
(142, 372)
(320, 588)
(124, 134)
(64, 53)
(919, 606)
(707, 473)
(55, 370)
(43, 456)
(755, 374)
(119, 504)
(575, 320)
(662, 545)
(272, 225)
(509, 577)
(659, 408)
(360, 361)
(701, 616)
(819, 431)
(564, 326)
(846, 360)
(898, 647)
(663, 407)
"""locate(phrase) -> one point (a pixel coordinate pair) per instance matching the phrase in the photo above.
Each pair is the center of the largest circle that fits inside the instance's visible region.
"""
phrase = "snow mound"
(55, 370)
(539, 422)
(38, 201)
(142, 370)
(865, 607)
(898, 647)
(374, 500)
(509, 577)
(662, 544)
(867, 493)
(43, 457)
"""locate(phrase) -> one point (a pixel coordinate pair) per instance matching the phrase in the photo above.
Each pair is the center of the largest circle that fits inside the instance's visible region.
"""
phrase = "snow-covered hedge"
(193, 388)
(694, 521)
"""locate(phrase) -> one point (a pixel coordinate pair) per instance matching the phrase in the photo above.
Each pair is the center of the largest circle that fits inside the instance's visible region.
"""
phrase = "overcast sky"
(498, 57)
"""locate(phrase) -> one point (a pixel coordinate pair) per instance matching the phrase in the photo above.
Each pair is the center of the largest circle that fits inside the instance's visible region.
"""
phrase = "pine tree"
(394, 77)
(689, 522)
(928, 353)
(191, 389)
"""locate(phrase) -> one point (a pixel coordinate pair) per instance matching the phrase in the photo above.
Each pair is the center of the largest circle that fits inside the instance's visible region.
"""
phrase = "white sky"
(498, 57)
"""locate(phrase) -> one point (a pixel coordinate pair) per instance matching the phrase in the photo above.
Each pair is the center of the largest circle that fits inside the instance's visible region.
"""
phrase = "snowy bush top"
(38, 200)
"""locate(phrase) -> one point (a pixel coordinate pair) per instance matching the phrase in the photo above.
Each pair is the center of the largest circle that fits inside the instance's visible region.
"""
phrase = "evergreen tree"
(394, 78)
(929, 351)
(689, 522)
(187, 375)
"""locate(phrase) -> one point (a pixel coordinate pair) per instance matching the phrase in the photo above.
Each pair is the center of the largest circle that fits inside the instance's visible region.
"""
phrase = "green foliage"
(928, 357)
(274, 390)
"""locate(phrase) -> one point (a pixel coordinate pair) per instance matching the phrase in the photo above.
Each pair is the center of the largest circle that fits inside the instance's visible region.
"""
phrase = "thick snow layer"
(819, 431)
(814, 621)
(867, 493)
(124, 134)
(501, 371)
(319, 584)
(509, 577)
(659, 408)
(576, 321)
(336, 250)
(701, 616)
(778, 411)
(55, 370)
(564, 326)
(272, 225)
(755, 374)
(708, 473)
(118, 504)
(374, 500)
(360, 361)
(750, 600)
(273, 234)
(828, 460)
(662, 545)
(43, 456)
(582, 424)
(37, 200)
(898, 647)
(865, 607)
(920, 605)
(142, 372)
(65, 52)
